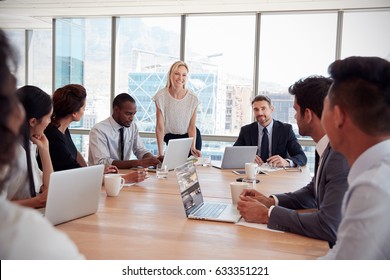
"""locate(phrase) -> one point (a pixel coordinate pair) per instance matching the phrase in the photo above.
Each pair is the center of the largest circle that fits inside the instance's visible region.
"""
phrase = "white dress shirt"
(104, 145)
(364, 232)
(320, 147)
(18, 186)
(25, 234)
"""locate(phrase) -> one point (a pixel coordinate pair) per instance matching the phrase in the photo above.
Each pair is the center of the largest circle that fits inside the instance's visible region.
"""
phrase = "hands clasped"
(253, 206)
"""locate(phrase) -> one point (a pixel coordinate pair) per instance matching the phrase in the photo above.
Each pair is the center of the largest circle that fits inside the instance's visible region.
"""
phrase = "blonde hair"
(174, 67)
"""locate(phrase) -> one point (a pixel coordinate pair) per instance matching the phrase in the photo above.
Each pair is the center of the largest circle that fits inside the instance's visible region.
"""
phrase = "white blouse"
(177, 113)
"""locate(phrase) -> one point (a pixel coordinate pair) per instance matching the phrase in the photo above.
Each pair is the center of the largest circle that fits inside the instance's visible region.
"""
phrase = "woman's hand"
(195, 152)
(40, 140)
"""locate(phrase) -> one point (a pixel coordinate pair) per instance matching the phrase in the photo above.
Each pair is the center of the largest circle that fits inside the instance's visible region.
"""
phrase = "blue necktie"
(264, 145)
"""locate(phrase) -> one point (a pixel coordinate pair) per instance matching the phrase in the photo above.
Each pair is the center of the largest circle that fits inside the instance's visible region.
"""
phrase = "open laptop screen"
(190, 191)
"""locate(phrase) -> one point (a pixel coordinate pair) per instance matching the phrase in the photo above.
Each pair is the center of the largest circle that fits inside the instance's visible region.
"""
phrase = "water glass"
(161, 171)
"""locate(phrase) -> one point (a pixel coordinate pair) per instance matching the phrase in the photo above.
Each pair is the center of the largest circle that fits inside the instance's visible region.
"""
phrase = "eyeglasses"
(293, 169)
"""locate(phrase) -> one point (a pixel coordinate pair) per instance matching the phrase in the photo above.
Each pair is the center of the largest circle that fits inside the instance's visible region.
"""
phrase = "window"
(220, 54)
(147, 47)
(18, 41)
(41, 59)
(366, 34)
(83, 56)
(294, 46)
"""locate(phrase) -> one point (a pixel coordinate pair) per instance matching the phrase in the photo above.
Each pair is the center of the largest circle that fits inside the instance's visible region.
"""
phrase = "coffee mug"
(236, 189)
(251, 170)
(113, 183)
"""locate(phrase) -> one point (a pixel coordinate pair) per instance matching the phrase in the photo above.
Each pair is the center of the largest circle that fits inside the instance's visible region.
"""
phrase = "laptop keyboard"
(210, 210)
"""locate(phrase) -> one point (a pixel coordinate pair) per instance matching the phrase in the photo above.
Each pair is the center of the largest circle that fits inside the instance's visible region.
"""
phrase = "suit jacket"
(284, 142)
(323, 223)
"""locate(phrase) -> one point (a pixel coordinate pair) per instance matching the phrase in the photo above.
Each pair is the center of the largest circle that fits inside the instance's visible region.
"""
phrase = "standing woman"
(176, 108)
(68, 106)
(38, 107)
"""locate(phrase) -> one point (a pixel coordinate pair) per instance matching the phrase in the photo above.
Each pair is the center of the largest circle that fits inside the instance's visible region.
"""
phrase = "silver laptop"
(194, 205)
(73, 193)
(176, 153)
(236, 157)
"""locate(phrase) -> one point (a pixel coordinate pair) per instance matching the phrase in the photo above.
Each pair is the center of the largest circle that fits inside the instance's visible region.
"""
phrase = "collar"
(322, 144)
(116, 126)
(368, 158)
(269, 127)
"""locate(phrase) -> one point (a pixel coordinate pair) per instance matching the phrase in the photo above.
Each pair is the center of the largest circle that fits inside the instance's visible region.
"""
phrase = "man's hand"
(252, 210)
(267, 201)
(135, 176)
(149, 161)
(258, 160)
(278, 161)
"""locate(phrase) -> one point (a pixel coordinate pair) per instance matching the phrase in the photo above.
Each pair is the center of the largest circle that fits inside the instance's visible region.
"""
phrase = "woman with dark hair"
(38, 107)
(68, 106)
(24, 233)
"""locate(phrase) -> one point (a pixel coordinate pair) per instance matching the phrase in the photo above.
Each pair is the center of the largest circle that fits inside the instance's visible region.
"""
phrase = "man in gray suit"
(326, 190)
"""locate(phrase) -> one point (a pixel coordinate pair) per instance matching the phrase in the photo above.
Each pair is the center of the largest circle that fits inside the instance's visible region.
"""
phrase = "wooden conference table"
(147, 221)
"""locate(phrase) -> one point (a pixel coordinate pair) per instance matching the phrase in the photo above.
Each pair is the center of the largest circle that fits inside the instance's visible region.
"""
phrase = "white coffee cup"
(251, 169)
(236, 189)
(113, 183)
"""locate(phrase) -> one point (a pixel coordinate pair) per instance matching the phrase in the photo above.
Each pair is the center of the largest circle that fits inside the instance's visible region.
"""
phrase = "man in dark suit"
(275, 140)
(326, 190)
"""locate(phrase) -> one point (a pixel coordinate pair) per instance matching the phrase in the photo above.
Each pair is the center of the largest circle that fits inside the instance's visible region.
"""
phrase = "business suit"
(284, 142)
(322, 224)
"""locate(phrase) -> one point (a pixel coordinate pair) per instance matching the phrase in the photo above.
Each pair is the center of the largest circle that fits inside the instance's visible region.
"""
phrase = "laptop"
(176, 153)
(194, 205)
(73, 193)
(236, 157)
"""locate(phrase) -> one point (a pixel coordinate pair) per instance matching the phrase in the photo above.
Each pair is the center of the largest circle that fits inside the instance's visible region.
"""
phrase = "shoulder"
(336, 163)
(282, 125)
(192, 94)
(26, 224)
(249, 129)
(52, 131)
(133, 128)
(159, 94)
(250, 126)
(101, 125)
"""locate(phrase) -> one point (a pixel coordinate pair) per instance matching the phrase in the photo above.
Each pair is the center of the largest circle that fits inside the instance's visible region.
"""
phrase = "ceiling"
(28, 14)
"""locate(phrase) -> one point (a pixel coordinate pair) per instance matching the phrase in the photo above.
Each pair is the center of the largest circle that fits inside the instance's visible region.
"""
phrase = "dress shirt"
(18, 186)
(26, 235)
(320, 148)
(104, 143)
(364, 231)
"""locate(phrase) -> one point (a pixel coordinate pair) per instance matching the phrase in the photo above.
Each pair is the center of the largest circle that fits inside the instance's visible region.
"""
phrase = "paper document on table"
(266, 168)
(255, 225)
